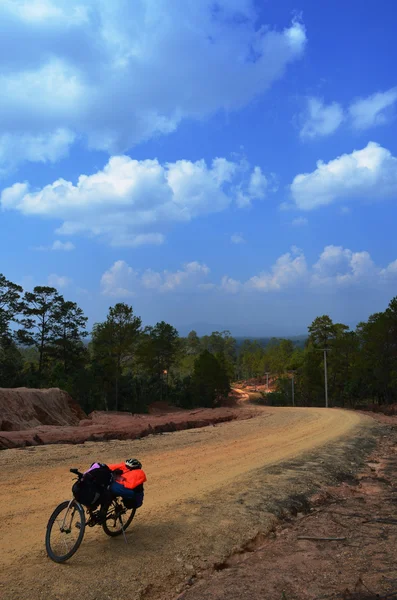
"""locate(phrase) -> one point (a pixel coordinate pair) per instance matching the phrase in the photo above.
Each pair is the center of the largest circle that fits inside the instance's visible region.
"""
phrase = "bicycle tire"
(60, 558)
(117, 532)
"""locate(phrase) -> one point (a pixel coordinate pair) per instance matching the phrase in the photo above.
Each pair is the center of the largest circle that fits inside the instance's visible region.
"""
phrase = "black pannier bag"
(91, 487)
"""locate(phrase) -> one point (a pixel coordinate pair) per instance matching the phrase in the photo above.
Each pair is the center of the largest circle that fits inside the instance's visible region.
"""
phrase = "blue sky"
(231, 163)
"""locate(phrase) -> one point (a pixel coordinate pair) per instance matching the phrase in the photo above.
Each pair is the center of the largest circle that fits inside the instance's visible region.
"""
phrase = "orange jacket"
(130, 478)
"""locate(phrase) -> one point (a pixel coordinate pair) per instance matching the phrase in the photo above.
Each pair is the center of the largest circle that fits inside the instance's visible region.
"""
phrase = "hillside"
(24, 408)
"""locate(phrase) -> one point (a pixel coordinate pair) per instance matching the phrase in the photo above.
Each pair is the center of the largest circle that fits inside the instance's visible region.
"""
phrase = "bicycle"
(68, 522)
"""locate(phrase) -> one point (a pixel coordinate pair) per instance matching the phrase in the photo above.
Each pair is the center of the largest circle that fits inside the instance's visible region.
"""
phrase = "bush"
(277, 399)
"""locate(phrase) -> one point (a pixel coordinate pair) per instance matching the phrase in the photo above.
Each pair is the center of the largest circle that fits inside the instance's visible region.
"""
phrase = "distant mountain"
(236, 330)
(298, 340)
(264, 330)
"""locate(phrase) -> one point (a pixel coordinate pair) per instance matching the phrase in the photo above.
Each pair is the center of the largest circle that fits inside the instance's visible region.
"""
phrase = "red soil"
(34, 417)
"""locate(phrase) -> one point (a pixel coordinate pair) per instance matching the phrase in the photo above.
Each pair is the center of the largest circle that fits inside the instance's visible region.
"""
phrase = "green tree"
(250, 362)
(322, 331)
(189, 348)
(310, 377)
(377, 361)
(69, 331)
(278, 355)
(158, 348)
(222, 343)
(192, 343)
(10, 296)
(158, 351)
(342, 359)
(210, 380)
(113, 344)
(282, 395)
(342, 346)
(11, 363)
(39, 309)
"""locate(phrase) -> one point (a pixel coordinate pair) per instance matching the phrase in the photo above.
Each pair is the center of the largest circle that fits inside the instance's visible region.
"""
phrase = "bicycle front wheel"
(65, 531)
(117, 519)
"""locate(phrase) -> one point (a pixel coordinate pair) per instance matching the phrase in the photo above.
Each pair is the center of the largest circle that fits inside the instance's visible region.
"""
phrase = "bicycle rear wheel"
(118, 518)
(65, 531)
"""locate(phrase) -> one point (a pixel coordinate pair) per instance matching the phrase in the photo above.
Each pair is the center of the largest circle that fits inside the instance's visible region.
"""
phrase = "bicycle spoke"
(65, 531)
(66, 546)
(118, 519)
(61, 523)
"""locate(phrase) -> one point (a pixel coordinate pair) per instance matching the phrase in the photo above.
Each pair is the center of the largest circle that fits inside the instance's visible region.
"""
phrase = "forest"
(123, 365)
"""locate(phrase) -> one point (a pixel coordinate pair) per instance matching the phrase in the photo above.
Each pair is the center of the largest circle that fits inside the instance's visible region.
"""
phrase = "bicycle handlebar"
(76, 472)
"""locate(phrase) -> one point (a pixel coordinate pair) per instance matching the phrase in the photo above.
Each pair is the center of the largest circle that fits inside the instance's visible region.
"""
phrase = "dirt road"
(205, 496)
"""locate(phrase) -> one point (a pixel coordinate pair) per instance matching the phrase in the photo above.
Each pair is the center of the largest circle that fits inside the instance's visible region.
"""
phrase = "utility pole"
(267, 381)
(325, 377)
(293, 387)
(293, 391)
(325, 350)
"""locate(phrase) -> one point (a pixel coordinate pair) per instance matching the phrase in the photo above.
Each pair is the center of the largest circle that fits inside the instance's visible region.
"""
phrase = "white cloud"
(336, 267)
(288, 270)
(237, 238)
(35, 10)
(242, 200)
(230, 285)
(58, 281)
(141, 239)
(190, 275)
(57, 246)
(65, 246)
(123, 281)
(390, 272)
(370, 173)
(258, 184)
(320, 119)
(40, 147)
(128, 200)
(341, 266)
(300, 222)
(256, 189)
(374, 110)
(119, 281)
(117, 73)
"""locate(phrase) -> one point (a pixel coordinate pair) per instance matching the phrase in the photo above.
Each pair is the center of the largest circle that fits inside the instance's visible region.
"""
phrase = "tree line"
(122, 365)
(362, 363)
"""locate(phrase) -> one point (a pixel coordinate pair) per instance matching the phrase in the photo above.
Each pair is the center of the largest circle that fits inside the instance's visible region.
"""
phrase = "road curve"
(192, 513)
